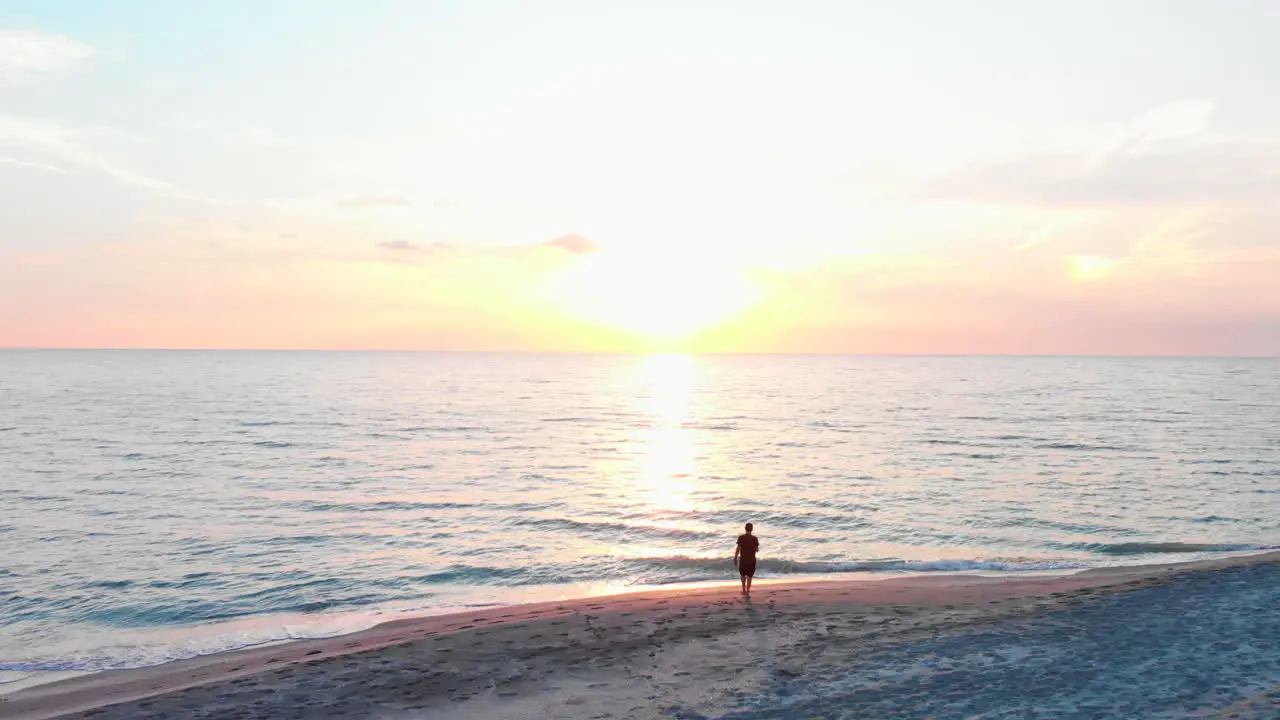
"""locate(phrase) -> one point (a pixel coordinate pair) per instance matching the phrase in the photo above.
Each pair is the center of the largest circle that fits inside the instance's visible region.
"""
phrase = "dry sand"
(681, 654)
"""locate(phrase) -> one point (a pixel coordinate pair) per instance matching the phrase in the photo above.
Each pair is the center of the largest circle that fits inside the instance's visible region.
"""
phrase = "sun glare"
(1085, 268)
(667, 464)
(662, 298)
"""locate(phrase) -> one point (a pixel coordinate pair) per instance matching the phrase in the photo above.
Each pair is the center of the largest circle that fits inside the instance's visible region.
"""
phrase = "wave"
(338, 506)
(1039, 443)
(1081, 446)
(972, 455)
(596, 527)
(440, 428)
(669, 567)
(187, 642)
(1154, 548)
(677, 569)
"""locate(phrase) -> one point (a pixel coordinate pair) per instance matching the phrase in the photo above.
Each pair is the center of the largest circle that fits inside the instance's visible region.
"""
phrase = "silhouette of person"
(744, 558)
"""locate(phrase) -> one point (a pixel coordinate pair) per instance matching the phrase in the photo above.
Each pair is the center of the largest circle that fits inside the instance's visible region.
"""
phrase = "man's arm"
(736, 549)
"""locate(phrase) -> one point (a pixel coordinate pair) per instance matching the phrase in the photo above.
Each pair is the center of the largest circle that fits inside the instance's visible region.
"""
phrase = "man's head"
(750, 527)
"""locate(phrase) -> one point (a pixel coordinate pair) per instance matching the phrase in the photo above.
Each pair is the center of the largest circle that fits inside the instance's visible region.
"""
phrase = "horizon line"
(1171, 356)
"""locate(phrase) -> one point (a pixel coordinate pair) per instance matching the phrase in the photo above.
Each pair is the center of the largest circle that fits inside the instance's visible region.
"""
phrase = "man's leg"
(748, 589)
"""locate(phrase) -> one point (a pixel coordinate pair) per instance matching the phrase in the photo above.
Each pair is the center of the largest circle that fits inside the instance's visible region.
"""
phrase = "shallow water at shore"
(1154, 642)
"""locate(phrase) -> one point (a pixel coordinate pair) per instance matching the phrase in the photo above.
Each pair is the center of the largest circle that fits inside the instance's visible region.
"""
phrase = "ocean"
(163, 504)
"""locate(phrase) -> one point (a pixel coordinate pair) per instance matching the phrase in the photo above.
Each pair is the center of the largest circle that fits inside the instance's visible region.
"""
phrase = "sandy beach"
(792, 650)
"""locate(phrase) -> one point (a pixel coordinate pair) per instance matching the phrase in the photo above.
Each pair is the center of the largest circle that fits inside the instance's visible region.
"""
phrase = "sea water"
(164, 504)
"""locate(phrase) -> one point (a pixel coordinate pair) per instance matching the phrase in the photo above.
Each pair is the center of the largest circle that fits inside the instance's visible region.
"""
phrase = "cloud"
(1174, 120)
(575, 244)
(47, 167)
(1164, 157)
(1047, 232)
(1226, 172)
(399, 245)
(520, 254)
(406, 246)
(373, 201)
(41, 145)
(25, 54)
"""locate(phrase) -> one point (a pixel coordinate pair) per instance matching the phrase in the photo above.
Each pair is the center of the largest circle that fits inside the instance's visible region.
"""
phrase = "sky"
(835, 177)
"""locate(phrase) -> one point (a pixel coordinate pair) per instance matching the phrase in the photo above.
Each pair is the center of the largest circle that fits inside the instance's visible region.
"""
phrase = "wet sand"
(923, 645)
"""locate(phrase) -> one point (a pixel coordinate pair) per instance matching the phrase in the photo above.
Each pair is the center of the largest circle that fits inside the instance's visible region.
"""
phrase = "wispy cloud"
(400, 245)
(1166, 156)
(26, 54)
(1046, 233)
(1230, 172)
(407, 247)
(42, 145)
(47, 167)
(1172, 120)
(373, 201)
(575, 244)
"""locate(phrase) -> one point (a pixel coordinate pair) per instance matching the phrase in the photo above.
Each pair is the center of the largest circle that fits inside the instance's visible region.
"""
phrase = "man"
(744, 558)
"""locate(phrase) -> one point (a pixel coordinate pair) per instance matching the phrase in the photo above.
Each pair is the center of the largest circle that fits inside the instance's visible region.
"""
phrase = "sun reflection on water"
(666, 470)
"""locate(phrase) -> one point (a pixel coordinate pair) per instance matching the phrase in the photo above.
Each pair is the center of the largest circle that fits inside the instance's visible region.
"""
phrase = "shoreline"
(570, 592)
(873, 612)
(299, 627)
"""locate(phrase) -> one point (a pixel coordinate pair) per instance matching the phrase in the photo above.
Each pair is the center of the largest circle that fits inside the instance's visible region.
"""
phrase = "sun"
(662, 298)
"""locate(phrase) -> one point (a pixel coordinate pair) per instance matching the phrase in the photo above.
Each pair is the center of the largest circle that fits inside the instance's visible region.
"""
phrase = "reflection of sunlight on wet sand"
(666, 449)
